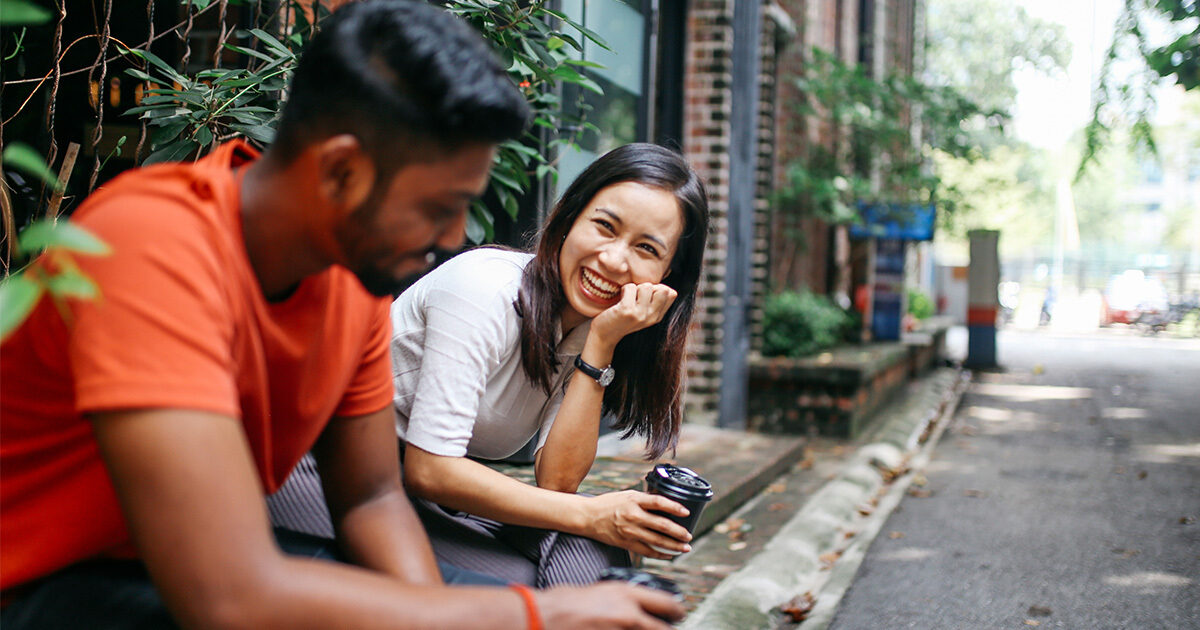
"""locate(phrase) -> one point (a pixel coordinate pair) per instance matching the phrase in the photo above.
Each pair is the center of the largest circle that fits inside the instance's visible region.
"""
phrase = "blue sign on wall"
(887, 313)
(901, 221)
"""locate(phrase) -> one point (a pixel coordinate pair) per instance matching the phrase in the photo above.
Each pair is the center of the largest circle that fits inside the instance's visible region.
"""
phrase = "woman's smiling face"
(627, 234)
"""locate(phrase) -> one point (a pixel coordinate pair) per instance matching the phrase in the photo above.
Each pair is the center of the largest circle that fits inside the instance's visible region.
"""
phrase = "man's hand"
(607, 605)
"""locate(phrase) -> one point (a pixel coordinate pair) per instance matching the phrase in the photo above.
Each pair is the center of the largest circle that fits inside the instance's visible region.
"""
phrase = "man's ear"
(346, 172)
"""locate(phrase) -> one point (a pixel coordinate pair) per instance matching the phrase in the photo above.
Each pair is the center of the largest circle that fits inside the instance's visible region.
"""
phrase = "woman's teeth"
(599, 286)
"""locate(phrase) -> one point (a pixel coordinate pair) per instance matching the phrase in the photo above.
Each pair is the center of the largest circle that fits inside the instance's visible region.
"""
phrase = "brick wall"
(832, 25)
(708, 106)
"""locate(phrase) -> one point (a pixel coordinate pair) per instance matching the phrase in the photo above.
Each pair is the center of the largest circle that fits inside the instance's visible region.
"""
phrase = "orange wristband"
(531, 610)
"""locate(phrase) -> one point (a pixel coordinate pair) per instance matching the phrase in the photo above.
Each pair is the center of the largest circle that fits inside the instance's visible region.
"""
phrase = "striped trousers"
(526, 555)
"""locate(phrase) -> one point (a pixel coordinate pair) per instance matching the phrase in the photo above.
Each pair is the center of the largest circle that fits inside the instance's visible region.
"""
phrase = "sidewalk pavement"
(792, 516)
(797, 573)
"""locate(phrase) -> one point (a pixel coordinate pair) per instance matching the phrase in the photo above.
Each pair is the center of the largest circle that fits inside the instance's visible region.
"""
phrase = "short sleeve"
(160, 333)
(371, 388)
(468, 332)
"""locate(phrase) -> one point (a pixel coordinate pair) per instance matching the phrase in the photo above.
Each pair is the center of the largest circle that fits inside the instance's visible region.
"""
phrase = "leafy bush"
(796, 324)
(920, 305)
(190, 114)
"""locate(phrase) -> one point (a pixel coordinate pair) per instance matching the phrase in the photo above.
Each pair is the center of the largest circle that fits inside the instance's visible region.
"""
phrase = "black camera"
(642, 578)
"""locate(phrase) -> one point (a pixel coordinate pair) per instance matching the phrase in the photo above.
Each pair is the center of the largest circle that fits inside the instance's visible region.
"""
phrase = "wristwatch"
(602, 376)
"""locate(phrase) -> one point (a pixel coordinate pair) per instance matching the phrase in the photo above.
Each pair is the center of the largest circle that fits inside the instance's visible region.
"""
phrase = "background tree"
(976, 47)
(1161, 38)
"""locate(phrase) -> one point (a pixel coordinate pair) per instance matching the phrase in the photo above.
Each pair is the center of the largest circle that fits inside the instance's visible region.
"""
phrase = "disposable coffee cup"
(683, 486)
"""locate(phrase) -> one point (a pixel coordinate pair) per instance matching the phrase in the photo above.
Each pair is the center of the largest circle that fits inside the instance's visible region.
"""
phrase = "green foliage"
(1127, 101)
(60, 279)
(876, 114)
(977, 46)
(799, 323)
(22, 157)
(22, 13)
(920, 305)
(540, 47)
(191, 114)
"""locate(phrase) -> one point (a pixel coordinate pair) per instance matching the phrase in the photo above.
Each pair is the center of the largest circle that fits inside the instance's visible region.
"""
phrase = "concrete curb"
(831, 524)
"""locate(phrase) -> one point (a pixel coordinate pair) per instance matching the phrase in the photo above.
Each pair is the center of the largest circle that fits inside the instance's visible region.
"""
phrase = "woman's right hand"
(624, 519)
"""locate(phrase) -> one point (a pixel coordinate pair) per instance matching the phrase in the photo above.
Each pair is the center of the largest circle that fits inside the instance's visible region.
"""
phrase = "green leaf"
(157, 62)
(72, 284)
(250, 52)
(511, 205)
(475, 230)
(22, 13)
(270, 41)
(22, 157)
(142, 76)
(18, 296)
(59, 235)
(167, 133)
(173, 152)
(584, 64)
(204, 136)
(261, 133)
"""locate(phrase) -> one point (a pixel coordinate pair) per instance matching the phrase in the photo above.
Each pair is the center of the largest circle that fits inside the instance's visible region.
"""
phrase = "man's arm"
(194, 505)
(375, 523)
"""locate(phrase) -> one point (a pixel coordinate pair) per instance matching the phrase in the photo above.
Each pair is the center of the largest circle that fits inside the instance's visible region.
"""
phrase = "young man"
(243, 320)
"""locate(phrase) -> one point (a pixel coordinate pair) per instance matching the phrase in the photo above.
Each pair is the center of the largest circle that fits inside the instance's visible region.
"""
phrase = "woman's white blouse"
(456, 359)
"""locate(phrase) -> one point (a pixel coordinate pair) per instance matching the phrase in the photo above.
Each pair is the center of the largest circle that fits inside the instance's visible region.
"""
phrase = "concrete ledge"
(738, 465)
(834, 521)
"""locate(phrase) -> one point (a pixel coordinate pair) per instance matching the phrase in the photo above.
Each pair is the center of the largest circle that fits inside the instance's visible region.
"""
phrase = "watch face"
(606, 376)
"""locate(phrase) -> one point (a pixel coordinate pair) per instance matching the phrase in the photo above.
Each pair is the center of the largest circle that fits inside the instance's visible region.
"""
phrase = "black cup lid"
(679, 480)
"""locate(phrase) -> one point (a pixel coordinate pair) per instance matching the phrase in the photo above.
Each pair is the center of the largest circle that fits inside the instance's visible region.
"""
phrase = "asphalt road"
(1066, 494)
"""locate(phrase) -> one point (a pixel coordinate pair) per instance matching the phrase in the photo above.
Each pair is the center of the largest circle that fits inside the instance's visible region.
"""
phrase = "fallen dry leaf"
(1142, 474)
(777, 487)
(1187, 520)
(849, 534)
(865, 510)
(1031, 622)
(920, 481)
(920, 493)
(775, 507)
(827, 559)
(806, 463)
(738, 546)
(729, 525)
(1039, 611)
(974, 493)
(797, 608)
(1127, 553)
(895, 535)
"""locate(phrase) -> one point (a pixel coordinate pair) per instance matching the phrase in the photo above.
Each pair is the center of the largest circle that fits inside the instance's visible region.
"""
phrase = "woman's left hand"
(641, 306)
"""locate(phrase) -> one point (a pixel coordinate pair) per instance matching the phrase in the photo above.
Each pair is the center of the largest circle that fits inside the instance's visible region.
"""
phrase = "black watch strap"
(602, 376)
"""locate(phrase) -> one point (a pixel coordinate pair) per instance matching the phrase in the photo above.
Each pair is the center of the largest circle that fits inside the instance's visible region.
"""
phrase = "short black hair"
(404, 77)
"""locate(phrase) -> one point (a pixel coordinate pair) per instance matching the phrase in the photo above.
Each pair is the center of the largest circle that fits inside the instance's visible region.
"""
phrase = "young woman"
(496, 347)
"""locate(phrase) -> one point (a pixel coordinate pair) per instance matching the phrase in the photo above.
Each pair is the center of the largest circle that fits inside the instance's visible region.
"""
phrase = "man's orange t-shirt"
(181, 322)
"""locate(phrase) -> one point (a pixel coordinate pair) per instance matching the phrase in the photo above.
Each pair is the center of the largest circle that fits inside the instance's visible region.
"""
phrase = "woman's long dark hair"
(646, 395)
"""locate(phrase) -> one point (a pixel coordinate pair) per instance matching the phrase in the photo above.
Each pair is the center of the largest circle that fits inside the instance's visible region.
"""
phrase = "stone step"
(737, 464)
